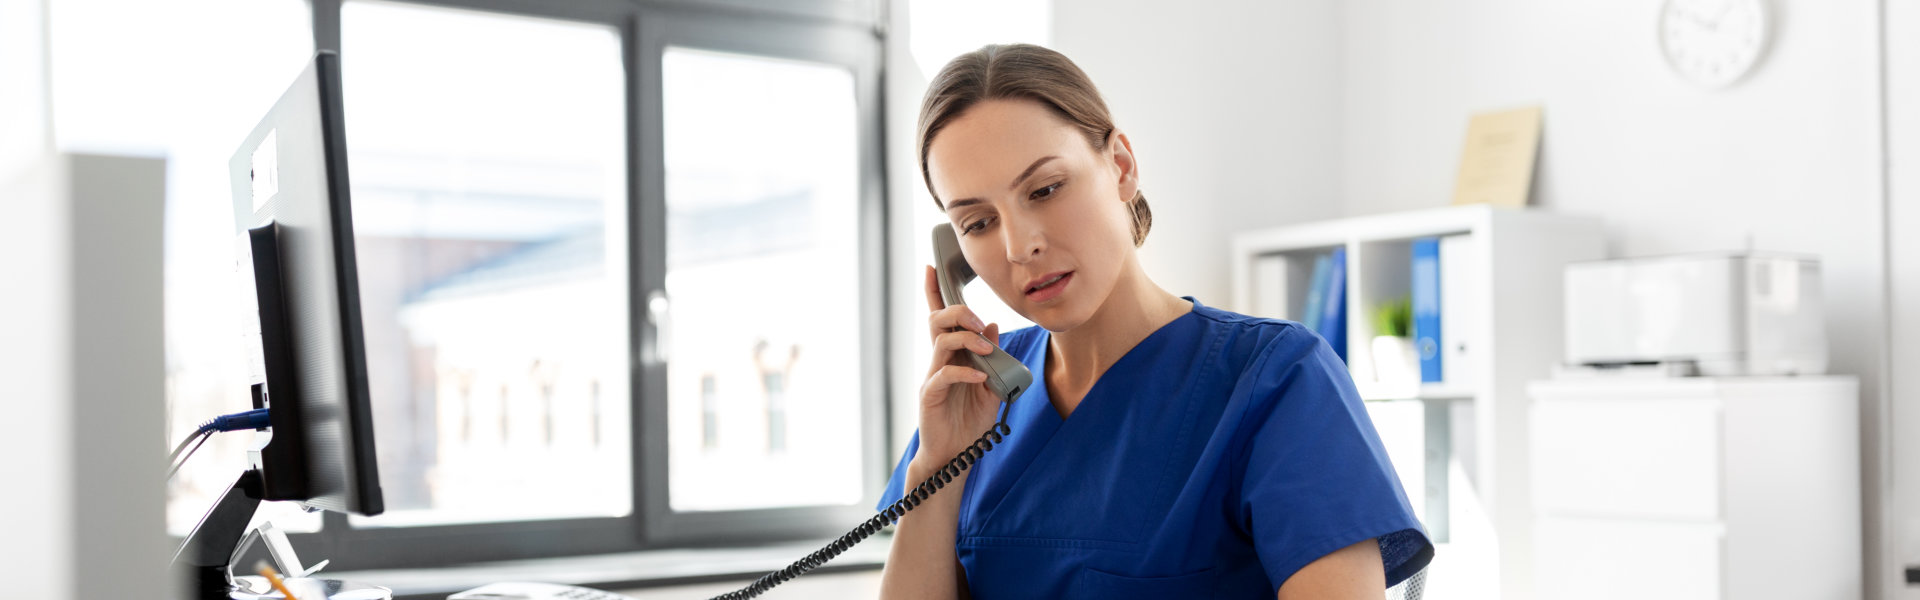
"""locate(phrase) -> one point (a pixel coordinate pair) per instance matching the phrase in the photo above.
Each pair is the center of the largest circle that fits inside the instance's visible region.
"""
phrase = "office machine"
(1744, 313)
(293, 216)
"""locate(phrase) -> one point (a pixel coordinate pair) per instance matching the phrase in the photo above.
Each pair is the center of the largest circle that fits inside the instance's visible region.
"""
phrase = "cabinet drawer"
(1577, 558)
(1627, 458)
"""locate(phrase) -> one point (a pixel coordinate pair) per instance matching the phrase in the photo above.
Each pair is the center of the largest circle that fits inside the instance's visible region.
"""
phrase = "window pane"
(763, 341)
(488, 168)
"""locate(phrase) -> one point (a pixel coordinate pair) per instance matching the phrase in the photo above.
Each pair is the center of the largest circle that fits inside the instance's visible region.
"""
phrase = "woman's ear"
(1124, 161)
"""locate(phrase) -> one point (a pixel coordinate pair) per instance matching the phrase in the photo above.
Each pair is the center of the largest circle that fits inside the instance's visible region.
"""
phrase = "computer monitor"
(295, 225)
(291, 206)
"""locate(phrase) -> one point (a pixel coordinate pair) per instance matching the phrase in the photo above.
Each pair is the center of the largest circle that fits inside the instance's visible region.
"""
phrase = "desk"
(627, 571)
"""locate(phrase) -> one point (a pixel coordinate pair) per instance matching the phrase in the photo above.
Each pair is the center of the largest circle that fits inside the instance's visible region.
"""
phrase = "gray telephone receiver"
(1005, 375)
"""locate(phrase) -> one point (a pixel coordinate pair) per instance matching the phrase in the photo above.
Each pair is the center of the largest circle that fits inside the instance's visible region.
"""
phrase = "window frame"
(830, 32)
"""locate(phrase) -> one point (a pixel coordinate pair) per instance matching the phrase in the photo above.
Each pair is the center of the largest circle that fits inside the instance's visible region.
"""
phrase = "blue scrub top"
(1215, 459)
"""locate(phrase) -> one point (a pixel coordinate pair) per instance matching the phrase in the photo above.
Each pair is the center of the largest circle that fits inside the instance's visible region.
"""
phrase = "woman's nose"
(1024, 241)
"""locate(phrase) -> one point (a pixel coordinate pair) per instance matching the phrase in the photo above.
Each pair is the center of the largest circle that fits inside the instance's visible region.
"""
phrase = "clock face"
(1713, 42)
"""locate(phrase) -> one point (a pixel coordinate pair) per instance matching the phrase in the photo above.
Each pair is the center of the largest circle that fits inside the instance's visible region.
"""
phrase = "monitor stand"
(204, 562)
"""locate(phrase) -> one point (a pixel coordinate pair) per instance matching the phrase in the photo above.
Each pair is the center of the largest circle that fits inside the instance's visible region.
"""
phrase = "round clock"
(1713, 42)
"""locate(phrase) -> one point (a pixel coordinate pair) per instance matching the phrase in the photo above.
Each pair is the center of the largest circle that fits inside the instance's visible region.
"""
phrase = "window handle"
(659, 313)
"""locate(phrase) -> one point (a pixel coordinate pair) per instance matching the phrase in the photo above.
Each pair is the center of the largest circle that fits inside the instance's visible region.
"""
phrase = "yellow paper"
(1496, 166)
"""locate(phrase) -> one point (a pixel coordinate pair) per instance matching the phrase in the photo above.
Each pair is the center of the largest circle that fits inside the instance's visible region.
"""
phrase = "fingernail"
(977, 324)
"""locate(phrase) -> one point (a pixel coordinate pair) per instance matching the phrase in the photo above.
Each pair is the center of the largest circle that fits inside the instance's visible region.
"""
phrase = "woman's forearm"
(922, 563)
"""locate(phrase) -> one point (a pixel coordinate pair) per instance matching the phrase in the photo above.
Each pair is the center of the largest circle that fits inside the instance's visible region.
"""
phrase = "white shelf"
(1513, 327)
(1373, 391)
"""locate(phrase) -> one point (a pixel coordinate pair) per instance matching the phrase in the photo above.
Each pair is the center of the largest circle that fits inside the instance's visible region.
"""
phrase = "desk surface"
(624, 571)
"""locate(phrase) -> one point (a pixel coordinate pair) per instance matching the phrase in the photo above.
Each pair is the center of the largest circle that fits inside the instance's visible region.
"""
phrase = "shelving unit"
(1512, 324)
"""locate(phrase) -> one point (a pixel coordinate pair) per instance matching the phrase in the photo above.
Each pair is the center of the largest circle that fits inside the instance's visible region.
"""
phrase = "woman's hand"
(956, 406)
(955, 409)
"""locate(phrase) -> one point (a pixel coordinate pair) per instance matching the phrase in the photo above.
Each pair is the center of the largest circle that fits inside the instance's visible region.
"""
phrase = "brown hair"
(1021, 71)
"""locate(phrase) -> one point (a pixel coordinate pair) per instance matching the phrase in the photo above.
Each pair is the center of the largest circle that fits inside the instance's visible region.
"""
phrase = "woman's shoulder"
(1260, 360)
(1246, 334)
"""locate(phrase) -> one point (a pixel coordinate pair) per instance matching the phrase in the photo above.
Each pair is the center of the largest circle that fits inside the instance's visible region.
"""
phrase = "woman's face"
(1041, 215)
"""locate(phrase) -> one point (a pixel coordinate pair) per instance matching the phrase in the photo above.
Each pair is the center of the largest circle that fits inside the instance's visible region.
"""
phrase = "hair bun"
(1142, 218)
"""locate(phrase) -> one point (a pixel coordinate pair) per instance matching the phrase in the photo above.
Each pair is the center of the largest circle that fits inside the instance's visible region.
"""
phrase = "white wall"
(25, 135)
(1231, 107)
(1788, 159)
(39, 559)
(33, 362)
(1902, 35)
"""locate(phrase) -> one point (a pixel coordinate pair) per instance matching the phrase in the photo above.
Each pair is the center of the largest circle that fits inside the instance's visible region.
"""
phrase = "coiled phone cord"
(889, 516)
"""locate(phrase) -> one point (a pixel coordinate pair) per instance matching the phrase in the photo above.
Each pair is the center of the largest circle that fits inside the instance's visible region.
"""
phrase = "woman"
(1175, 450)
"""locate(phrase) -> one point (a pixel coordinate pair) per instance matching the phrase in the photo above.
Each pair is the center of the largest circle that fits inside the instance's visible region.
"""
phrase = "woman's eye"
(1045, 191)
(975, 226)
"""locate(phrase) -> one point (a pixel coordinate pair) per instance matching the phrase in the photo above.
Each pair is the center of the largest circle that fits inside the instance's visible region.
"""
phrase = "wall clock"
(1714, 43)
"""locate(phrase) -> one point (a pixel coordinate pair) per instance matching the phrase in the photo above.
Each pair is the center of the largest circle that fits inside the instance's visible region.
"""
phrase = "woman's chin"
(1053, 318)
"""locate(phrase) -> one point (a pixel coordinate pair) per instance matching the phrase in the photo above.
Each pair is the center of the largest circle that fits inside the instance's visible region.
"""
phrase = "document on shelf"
(1496, 165)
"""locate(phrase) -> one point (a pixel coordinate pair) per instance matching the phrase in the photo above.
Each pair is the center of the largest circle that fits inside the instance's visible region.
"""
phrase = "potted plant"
(1395, 361)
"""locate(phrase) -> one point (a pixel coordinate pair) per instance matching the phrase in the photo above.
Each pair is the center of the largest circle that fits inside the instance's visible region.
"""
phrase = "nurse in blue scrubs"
(1176, 450)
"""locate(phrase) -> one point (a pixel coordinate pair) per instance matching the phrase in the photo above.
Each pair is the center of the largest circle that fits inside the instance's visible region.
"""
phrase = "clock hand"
(1698, 20)
(1725, 6)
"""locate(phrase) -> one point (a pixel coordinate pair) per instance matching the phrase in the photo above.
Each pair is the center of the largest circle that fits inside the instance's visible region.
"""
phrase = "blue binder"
(1333, 320)
(1316, 294)
(1428, 338)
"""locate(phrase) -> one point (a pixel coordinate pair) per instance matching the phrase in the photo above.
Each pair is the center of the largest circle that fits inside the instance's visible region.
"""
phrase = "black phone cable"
(881, 520)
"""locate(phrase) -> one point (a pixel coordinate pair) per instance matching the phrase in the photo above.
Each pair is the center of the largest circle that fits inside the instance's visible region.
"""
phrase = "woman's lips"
(1052, 290)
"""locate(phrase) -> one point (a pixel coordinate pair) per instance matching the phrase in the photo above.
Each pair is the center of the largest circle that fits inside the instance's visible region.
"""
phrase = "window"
(765, 275)
(620, 272)
(490, 203)
(762, 202)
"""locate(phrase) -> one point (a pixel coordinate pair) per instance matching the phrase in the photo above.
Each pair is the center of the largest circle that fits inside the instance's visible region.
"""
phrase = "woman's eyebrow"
(1016, 182)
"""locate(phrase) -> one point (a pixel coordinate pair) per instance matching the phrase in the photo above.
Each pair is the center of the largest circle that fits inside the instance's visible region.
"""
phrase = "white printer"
(1743, 313)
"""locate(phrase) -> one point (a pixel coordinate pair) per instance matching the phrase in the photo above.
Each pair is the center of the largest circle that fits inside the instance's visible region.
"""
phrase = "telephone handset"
(1005, 375)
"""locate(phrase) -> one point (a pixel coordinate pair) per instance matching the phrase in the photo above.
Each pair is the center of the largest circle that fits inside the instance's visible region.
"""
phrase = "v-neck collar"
(1036, 425)
(1039, 365)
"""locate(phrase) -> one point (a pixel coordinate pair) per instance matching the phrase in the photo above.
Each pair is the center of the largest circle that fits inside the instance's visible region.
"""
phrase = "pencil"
(274, 578)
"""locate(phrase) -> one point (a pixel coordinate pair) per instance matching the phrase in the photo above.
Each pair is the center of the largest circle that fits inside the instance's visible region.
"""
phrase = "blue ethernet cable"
(252, 419)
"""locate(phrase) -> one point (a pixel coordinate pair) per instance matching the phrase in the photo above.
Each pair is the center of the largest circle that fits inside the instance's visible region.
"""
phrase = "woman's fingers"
(946, 318)
(946, 377)
(934, 303)
(954, 317)
(953, 341)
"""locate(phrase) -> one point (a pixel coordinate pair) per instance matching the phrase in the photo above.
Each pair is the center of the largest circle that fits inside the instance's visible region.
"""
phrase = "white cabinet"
(1696, 488)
